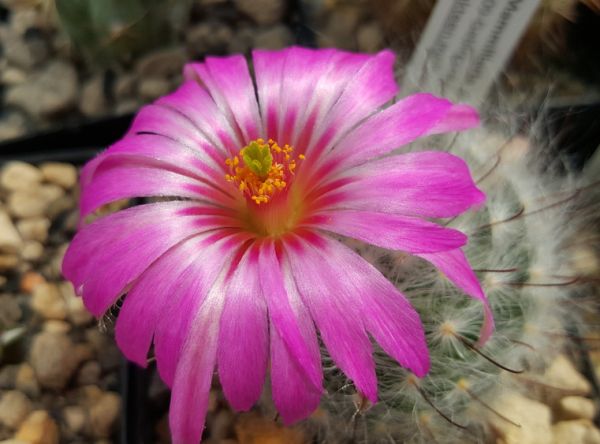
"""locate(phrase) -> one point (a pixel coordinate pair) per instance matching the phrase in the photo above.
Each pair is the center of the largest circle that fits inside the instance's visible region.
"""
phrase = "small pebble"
(25, 380)
(8, 262)
(77, 312)
(62, 174)
(581, 431)
(562, 374)
(103, 408)
(33, 202)
(8, 375)
(53, 359)
(10, 239)
(47, 300)
(14, 408)
(34, 229)
(30, 280)
(263, 12)
(10, 311)
(32, 251)
(161, 64)
(48, 92)
(89, 373)
(19, 176)
(153, 88)
(533, 417)
(576, 407)
(38, 428)
(93, 102)
(276, 37)
(75, 418)
(54, 326)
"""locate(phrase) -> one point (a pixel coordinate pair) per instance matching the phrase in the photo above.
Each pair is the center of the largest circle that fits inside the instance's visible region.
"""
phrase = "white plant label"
(465, 45)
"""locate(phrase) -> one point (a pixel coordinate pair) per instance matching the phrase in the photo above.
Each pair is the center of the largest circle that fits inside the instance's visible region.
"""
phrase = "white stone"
(34, 202)
(38, 428)
(10, 240)
(75, 418)
(533, 417)
(576, 407)
(54, 359)
(48, 92)
(77, 312)
(19, 176)
(581, 431)
(32, 251)
(14, 408)
(277, 37)
(58, 173)
(152, 88)
(263, 12)
(563, 375)
(47, 300)
(93, 102)
(34, 228)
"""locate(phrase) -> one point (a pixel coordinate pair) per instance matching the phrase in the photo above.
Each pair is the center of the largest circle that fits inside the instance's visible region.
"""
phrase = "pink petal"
(107, 255)
(295, 105)
(121, 176)
(294, 396)
(292, 102)
(386, 313)
(195, 104)
(286, 313)
(455, 266)
(151, 295)
(191, 386)
(244, 336)
(230, 85)
(174, 154)
(370, 88)
(390, 231)
(415, 116)
(336, 314)
(429, 183)
(168, 125)
(214, 254)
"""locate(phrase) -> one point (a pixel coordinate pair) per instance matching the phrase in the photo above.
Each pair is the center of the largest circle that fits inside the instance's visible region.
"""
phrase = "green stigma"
(258, 158)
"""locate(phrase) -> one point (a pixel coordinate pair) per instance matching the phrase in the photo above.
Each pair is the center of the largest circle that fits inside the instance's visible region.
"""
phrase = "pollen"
(262, 169)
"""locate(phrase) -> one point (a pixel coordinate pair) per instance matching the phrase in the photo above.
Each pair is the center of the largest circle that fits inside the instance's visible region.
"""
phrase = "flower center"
(265, 169)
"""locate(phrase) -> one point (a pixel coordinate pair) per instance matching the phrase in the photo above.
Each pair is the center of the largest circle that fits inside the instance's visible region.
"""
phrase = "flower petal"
(455, 266)
(151, 295)
(122, 176)
(191, 385)
(428, 183)
(386, 313)
(243, 336)
(286, 314)
(295, 105)
(175, 325)
(170, 125)
(371, 87)
(415, 116)
(176, 155)
(335, 313)
(293, 394)
(390, 231)
(194, 103)
(107, 255)
(228, 81)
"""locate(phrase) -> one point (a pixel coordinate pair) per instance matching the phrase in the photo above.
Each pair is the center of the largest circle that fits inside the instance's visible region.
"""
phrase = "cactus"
(521, 246)
(117, 30)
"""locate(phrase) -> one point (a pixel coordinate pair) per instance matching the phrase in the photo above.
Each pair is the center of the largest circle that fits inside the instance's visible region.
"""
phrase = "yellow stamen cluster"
(262, 169)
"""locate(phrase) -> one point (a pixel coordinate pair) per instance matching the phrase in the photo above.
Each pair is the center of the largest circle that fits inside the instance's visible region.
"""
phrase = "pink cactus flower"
(242, 267)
